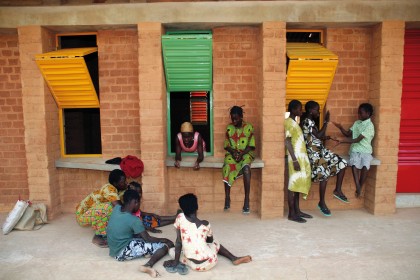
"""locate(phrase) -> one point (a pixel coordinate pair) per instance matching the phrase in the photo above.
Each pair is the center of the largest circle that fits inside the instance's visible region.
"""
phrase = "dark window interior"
(82, 128)
(180, 112)
(82, 131)
(303, 37)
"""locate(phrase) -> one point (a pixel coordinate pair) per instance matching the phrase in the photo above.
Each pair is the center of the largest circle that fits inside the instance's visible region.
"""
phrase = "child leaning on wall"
(362, 133)
(150, 220)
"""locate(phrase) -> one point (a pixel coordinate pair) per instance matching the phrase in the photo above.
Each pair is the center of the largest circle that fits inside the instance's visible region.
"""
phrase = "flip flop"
(171, 269)
(246, 210)
(304, 215)
(297, 220)
(342, 198)
(324, 211)
(182, 269)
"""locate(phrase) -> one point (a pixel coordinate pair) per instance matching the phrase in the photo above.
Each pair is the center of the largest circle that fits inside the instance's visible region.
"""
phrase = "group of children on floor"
(310, 161)
(114, 213)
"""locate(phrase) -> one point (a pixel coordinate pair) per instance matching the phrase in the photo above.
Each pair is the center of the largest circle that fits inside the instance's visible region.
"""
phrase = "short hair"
(130, 195)
(188, 203)
(236, 110)
(115, 176)
(367, 107)
(136, 185)
(294, 104)
(310, 105)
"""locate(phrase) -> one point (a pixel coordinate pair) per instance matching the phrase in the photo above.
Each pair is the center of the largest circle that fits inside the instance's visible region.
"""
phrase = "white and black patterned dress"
(324, 163)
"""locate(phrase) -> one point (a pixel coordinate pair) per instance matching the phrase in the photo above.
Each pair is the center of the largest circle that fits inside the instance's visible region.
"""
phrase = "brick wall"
(234, 79)
(119, 92)
(350, 88)
(13, 168)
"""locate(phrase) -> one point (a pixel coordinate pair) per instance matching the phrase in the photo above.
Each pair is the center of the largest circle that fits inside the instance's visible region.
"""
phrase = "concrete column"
(385, 95)
(273, 96)
(40, 120)
(152, 96)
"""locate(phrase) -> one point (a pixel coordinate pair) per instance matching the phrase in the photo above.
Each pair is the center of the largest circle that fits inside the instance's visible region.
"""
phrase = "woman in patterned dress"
(298, 163)
(239, 145)
(325, 164)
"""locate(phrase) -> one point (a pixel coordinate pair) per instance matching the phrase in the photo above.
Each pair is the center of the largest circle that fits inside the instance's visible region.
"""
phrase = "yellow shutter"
(68, 78)
(310, 72)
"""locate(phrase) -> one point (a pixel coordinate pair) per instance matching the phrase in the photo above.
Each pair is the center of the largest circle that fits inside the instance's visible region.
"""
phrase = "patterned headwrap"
(187, 127)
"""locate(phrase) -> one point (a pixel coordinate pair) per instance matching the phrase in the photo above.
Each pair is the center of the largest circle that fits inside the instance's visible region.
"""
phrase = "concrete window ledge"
(86, 163)
(374, 161)
(208, 162)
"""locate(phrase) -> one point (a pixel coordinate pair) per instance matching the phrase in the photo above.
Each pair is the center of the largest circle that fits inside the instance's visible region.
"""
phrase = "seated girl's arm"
(289, 147)
(150, 239)
(351, 141)
(178, 247)
(346, 133)
(177, 153)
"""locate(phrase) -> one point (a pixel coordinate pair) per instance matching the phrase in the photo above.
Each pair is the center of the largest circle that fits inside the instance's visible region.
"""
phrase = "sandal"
(324, 211)
(246, 210)
(341, 197)
(304, 215)
(182, 269)
(297, 220)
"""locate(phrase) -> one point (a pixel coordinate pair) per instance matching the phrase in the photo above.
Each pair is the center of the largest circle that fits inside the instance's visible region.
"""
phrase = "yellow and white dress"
(299, 181)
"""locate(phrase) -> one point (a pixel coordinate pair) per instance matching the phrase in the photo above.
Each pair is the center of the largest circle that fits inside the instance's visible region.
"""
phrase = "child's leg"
(247, 186)
(356, 177)
(322, 189)
(227, 196)
(339, 183)
(148, 267)
(234, 259)
(363, 177)
(293, 212)
(297, 208)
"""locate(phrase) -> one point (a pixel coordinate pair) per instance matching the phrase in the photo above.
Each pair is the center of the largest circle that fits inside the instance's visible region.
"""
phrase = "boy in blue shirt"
(128, 239)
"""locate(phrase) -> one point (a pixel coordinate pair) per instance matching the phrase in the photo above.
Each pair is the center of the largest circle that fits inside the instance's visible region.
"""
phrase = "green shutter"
(188, 61)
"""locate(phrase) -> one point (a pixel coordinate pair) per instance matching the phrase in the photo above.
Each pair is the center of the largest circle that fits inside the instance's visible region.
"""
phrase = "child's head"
(295, 107)
(188, 203)
(131, 200)
(312, 109)
(365, 111)
(117, 178)
(133, 185)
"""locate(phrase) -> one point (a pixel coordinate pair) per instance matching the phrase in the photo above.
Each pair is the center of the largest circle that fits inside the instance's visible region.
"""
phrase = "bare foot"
(99, 241)
(151, 271)
(245, 259)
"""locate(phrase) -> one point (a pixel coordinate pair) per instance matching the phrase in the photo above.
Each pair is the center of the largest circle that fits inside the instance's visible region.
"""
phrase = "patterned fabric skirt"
(138, 248)
(150, 222)
(205, 265)
(325, 163)
(97, 217)
(232, 170)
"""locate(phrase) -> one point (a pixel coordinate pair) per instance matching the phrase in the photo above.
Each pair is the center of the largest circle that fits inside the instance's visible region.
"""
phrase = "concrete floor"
(349, 245)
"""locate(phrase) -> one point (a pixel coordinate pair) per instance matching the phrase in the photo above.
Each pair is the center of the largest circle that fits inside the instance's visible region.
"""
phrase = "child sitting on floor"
(362, 133)
(195, 240)
(128, 239)
(150, 220)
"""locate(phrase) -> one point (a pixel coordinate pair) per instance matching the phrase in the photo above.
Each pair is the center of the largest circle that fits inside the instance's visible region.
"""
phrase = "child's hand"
(197, 166)
(153, 230)
(177, 164)
(170, 263)
(327, 116)
(296, 165)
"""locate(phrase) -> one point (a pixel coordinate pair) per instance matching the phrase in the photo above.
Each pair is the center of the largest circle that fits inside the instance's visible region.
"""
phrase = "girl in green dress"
(239, 145)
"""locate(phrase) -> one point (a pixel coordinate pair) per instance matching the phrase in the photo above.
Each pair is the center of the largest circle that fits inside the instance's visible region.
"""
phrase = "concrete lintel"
(246, 12)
